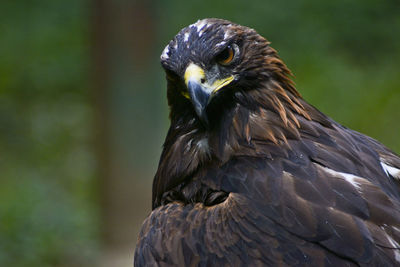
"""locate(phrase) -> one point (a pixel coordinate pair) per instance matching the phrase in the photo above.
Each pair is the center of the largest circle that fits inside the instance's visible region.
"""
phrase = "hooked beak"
(200, 90)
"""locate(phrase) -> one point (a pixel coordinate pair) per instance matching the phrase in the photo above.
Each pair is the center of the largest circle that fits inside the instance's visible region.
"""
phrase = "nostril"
(203, 80)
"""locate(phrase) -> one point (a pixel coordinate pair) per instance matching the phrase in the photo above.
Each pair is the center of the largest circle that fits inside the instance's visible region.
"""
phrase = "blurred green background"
(83, 109)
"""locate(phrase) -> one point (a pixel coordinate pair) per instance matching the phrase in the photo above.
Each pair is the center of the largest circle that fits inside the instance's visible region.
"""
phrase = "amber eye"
(226, 56)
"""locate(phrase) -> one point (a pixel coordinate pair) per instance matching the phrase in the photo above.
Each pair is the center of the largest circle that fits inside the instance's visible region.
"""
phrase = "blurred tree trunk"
(123, 37)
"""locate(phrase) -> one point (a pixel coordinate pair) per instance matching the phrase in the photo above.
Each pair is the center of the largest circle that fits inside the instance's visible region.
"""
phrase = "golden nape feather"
(252, 175)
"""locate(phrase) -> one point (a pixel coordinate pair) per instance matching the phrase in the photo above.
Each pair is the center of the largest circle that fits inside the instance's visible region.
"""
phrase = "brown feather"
(271, 181)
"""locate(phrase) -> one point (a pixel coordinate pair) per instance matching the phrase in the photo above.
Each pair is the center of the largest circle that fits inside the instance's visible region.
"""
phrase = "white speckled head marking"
(221, 43)
(165, 52)
(200, 24)
(186, 37)
(227, 35)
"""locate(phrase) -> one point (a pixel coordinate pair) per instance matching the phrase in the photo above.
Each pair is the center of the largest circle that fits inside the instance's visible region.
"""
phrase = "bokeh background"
(83, 109)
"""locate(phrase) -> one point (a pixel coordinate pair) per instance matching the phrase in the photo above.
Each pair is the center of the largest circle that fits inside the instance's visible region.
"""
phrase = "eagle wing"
(330, 198)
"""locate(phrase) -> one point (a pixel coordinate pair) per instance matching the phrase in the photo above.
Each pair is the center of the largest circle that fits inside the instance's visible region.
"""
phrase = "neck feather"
(271, 116)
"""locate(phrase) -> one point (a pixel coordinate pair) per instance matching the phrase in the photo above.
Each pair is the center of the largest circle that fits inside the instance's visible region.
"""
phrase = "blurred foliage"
(47, 208)
(345, 56)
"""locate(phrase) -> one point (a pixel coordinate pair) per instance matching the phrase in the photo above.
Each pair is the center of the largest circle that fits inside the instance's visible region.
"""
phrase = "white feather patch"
(389, 170)
(186, 37)
(350, 178)
(396, 248)
(202, 144)
(227, 35)
(165, 52)
(200, 24)
(201, 32)
(221, 43)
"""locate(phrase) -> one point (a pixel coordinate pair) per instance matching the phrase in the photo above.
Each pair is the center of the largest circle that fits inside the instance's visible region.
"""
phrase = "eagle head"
(212, 63)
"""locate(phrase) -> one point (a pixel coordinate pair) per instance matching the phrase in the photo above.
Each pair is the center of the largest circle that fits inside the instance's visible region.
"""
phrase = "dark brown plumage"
(252, 175)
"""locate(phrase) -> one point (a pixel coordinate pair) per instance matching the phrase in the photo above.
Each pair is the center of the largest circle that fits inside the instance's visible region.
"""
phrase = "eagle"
(253, 175)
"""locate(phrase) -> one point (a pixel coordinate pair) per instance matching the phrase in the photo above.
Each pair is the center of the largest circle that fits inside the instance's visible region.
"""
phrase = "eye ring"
(226, 56)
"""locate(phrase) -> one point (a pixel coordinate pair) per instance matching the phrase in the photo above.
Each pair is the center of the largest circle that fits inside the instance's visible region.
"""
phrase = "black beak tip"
(200, 98)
